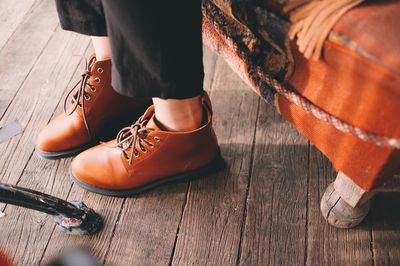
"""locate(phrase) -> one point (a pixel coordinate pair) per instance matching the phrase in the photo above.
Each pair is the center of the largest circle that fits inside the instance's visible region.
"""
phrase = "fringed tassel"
(312, 21)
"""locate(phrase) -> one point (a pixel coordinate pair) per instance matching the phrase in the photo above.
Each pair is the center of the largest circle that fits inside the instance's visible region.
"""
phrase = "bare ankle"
(102, 47)
(179, 115)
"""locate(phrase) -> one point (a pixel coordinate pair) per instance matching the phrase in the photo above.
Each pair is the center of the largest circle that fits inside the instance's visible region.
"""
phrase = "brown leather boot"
(94, 106)
(143, 157)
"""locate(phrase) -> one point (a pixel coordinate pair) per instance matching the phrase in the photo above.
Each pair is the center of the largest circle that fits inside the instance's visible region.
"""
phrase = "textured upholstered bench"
(343, 95)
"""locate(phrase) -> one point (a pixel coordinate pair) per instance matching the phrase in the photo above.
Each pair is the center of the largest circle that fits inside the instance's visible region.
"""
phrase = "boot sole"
(50, 155)
(215, 165)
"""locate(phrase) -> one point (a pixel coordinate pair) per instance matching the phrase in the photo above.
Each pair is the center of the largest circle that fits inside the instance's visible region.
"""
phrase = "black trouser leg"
(82, 16)
(156, 45)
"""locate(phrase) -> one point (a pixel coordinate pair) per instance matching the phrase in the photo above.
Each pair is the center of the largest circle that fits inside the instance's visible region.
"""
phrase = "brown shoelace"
(80, 95)
(130, 137)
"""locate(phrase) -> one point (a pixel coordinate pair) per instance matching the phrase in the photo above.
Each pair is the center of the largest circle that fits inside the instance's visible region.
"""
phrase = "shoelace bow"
(78, 98)
(130, 137)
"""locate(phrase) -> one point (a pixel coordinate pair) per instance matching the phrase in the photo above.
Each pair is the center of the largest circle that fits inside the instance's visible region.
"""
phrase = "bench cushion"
(356, 80)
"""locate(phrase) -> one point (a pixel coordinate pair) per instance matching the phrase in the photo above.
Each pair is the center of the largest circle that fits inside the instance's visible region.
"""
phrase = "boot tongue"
(154, 124)
(150, 116)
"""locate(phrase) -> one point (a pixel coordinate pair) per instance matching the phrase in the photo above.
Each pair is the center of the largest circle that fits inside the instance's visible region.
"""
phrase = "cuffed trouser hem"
(84, 17)
(183, 91)
(156, 45)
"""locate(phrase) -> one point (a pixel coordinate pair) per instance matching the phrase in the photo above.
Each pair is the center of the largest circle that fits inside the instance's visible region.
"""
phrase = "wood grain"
(152, 236)
(274, 232)
(139, 230)
(327, 245)
(210, 230)
(33, 228)
(11, 16)
(108, 207)
(26, 44)
(35, 102)
(262, 210)
(385, 219)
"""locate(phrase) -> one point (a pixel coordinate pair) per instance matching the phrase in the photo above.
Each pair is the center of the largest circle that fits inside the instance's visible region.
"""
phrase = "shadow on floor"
(279, 161)
(385, 211)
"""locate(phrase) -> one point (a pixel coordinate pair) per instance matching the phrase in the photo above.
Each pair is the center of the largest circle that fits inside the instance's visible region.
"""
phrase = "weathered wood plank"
(385, 219)
(12, 13)
(27, 232)
(148, 240)
(36, 100)
(210, 230)
(24, 47)
(151, 238)
(36, 66)
(108, 207)
(326, 244)
(147, 229)
(37, 240)
(33, 228)
(274, 232)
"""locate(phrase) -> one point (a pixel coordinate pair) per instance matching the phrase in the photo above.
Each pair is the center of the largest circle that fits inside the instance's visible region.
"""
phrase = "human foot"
(179, 115)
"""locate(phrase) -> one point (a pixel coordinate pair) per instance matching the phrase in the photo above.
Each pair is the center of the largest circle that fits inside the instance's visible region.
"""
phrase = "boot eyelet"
(100, 70)
(143, 150)
(157, 139)
(87, 97)
(136, 154)
(97, 80)
(150, 144)
(92, 88)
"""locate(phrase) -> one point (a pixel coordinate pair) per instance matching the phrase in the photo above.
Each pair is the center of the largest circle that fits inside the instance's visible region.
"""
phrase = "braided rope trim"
(306, 105)
(293, 97)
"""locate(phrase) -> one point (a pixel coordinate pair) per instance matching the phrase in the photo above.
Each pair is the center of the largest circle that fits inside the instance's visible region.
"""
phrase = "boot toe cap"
(62, 133)
(94, 168)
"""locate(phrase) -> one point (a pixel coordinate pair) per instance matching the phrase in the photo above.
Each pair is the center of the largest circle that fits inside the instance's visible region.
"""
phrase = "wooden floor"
(262, 210)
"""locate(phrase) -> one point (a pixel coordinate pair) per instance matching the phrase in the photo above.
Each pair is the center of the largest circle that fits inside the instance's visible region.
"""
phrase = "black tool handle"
(38, 201)
(75, 217)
